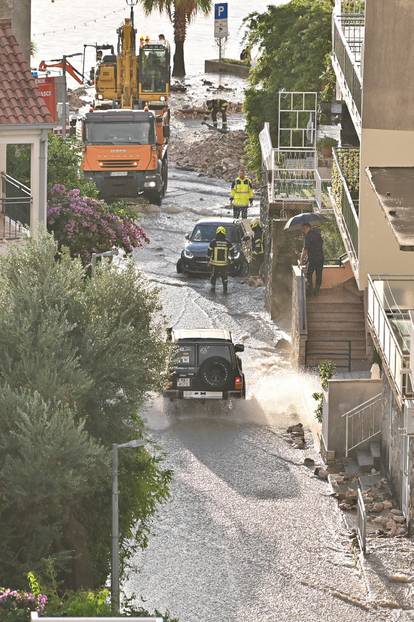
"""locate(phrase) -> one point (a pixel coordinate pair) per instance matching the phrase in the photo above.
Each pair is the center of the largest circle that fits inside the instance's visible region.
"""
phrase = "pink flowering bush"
(15, 605)
(86, 225)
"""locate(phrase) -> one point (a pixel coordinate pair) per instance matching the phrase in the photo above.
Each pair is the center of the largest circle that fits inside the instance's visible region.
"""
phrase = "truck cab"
(125, 152)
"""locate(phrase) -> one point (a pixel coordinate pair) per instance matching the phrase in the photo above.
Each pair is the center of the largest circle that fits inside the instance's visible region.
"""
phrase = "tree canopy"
(79, 357)
(293, 42)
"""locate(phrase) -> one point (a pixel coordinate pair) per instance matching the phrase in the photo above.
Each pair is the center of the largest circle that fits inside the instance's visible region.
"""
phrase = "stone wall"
(299, 332)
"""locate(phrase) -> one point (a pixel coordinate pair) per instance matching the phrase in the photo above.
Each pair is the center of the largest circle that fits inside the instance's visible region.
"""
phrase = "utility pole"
(63, 60)
(64, 97)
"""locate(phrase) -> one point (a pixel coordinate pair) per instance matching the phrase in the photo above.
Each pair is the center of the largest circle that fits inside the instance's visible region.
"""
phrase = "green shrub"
(79, 357)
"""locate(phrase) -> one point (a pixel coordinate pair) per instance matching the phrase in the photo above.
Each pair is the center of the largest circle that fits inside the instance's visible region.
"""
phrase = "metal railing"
(293, 175)
(347, 59)
(393, 347)
(345, 209)
(345, 352)
(15, 208)
(361, 522)
(387, 342)
(362, 423)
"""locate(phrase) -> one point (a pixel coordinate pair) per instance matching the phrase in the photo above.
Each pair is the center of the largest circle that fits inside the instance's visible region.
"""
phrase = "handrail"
(325, 355)
(360, 407)
(345, 185)
(362, 413)
(16, 183)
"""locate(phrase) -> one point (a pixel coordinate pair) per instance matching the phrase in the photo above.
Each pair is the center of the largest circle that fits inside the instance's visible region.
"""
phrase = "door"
(405, 492)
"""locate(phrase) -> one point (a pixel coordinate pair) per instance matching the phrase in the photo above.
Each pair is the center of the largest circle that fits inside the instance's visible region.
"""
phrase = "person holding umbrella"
(312, 252)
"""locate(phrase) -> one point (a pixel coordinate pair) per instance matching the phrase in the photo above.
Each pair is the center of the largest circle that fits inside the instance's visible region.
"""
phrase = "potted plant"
(325, 144)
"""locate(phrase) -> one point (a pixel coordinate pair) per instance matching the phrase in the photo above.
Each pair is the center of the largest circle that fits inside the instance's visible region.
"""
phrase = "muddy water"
(249, 533)
(69, 24)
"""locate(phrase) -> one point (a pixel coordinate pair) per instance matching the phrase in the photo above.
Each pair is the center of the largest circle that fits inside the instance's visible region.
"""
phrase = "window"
(207, 232)
(184, 356)
(120, 133)
(154, 69)
(208, 351)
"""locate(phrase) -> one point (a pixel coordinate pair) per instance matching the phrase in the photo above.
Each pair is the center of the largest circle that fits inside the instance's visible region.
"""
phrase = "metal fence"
(363, 423)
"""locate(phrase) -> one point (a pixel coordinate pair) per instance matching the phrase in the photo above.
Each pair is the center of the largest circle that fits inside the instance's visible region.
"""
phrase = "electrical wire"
(80, 25)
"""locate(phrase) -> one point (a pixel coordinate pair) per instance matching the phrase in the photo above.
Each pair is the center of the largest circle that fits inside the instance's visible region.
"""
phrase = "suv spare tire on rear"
(215, 372)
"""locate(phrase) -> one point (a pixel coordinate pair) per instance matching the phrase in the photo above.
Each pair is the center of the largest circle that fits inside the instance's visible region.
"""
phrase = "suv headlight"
(187, 254)
(236, 255)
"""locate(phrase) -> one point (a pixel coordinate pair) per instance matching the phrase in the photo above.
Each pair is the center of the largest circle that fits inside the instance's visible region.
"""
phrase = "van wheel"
(180, 266)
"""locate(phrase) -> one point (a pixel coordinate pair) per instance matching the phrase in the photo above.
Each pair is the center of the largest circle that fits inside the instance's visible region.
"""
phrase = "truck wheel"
(165, 177)
(155, 197)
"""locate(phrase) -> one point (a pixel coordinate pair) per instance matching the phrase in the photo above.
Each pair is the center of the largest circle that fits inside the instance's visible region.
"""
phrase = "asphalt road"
(249, 532)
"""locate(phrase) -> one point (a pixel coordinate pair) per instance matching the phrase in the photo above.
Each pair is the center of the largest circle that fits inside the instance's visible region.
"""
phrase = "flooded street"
(249, 532)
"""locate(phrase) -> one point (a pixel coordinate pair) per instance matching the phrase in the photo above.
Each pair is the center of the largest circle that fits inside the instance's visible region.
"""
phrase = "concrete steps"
(336, 317)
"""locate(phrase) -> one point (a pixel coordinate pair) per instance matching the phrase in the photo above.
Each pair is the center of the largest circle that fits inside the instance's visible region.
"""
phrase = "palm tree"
(180, 13)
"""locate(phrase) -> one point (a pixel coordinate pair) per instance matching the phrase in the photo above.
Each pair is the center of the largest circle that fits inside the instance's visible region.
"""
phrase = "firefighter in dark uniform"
(257, 248)
(215, 107)
(220, 252)
(241, 194)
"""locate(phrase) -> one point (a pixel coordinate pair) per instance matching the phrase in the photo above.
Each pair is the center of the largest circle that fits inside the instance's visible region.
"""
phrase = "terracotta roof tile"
(20, 101)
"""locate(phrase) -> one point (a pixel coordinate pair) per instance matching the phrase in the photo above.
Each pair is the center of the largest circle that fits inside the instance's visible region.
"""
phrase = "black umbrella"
(309, 218)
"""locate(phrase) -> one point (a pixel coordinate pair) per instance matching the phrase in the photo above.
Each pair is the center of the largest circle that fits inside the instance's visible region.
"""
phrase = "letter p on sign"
(221, 10)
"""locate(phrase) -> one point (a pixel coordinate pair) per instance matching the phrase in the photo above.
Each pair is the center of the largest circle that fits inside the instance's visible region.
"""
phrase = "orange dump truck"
(126, 152)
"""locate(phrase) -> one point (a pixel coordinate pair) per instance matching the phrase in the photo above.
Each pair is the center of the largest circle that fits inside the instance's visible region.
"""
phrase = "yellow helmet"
(221, 229)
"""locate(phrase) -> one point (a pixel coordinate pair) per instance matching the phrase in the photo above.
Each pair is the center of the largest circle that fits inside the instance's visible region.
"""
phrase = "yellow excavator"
(126, 135)
(137, 76)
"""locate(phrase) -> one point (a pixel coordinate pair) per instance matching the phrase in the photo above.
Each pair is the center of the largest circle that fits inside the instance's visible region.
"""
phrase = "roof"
(117, 114)
(201, 333)
(394, 187)
(20, 101)
(217, 220)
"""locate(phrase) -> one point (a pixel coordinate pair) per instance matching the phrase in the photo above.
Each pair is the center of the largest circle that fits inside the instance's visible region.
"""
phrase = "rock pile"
(382, 514)
(215, 154)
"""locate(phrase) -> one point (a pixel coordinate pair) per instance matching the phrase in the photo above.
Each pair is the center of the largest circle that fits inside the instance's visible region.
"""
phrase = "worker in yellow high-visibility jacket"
(241, 194)
(220, 253)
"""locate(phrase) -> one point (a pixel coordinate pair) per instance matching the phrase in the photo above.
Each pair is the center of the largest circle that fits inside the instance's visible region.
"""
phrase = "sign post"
(221, 25)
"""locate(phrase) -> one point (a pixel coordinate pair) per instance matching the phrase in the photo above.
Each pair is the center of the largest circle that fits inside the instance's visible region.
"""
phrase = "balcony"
(344, 194)
(390, 299)
(348, 26)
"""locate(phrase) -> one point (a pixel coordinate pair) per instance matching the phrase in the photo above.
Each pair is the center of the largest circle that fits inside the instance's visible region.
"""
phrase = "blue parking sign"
(221, 10)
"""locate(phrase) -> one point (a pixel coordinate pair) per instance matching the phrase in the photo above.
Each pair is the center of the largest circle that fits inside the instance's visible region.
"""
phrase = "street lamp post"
(115, 569)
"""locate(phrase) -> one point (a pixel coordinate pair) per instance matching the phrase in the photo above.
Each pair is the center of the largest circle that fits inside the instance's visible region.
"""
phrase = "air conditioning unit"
(409, 417)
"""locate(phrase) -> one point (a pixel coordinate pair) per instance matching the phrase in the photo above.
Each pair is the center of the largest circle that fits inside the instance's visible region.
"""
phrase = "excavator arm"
(63, 64)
